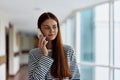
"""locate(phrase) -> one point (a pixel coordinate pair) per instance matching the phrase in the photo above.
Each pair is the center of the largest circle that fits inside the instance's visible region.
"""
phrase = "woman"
(52, 60)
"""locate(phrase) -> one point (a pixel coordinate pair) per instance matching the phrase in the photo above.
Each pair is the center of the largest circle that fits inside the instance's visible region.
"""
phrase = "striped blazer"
(39, 65)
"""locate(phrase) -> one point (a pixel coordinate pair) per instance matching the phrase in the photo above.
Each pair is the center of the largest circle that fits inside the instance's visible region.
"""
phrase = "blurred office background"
(91, 27)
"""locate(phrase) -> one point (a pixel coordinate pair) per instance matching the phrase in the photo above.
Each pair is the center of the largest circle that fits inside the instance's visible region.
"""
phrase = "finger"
(45, 43)
(41, 38)
(39, 43)
(42, 41)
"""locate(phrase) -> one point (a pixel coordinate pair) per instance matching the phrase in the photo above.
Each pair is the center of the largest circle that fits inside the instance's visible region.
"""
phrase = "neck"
(49, 45)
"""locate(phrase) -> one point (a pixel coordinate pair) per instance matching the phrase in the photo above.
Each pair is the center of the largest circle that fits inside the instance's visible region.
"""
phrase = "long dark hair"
(59, 68)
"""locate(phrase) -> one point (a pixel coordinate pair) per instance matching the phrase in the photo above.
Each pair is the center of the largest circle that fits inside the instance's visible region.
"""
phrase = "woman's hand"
(42, 44)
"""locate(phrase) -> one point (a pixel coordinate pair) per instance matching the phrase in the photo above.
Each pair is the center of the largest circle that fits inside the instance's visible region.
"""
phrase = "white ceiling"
(23, 14)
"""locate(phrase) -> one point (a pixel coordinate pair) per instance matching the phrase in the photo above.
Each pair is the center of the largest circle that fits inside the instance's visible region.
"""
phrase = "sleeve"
(73, 66)
(38, 68)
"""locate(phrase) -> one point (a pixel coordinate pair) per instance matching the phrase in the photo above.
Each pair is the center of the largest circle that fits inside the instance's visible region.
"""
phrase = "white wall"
(14, 47)
(27, 44)
(3, 24)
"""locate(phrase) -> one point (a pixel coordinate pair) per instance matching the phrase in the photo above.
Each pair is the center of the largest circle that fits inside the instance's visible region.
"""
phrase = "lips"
(51, 35)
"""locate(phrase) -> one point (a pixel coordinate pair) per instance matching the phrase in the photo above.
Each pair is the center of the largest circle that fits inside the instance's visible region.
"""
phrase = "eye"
(54, 26)
(47, 27)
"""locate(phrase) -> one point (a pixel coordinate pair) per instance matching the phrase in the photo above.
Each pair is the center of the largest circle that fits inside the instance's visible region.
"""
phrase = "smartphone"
(39, 32)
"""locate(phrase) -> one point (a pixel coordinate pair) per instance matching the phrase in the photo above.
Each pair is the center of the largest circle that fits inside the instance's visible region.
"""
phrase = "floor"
(22, 74)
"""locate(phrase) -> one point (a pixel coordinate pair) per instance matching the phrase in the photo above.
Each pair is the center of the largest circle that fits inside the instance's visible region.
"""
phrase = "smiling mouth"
(51, 35)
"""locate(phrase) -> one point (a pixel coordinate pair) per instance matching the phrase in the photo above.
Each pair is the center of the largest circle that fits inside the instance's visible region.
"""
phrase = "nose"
(51, 30)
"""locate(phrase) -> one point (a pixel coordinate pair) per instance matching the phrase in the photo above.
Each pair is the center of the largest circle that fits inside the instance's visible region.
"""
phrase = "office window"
(68, 31)
(87, 35)
(95, 34)
(87, 46)
(94, 43)
(102, 34)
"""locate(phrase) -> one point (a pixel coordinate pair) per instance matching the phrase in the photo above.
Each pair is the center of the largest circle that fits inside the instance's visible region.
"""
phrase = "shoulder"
(68, 48)
(70, 52)
(35, 52)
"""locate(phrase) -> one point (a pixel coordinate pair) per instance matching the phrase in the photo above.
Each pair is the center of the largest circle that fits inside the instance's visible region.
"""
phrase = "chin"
(51, 39)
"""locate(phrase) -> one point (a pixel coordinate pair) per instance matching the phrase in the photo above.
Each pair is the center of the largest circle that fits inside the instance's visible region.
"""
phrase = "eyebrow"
(52, 25)
(45, 25)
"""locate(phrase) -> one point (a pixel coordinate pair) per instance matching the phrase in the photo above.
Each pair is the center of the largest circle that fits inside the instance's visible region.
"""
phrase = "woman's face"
(49, 29)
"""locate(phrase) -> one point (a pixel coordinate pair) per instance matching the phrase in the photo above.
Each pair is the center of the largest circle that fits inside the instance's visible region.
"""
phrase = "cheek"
(57, 31)
(46, 34)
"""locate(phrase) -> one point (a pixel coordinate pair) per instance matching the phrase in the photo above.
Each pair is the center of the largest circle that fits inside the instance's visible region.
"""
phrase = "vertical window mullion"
(111, 40)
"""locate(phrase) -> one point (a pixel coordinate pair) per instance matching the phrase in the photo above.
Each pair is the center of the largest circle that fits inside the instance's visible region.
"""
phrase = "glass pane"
(117, 75)
(94, 35)
(102, 34)
(102, 73)
(94, 73)
(70, 32)
(117, 33)
(102, 44)
(102, 13)
(63, 32)
(87, 35)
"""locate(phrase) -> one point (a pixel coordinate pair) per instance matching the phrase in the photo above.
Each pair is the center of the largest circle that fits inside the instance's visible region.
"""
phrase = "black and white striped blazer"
(39, 65)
